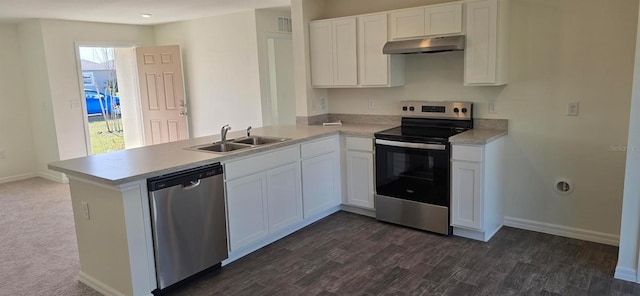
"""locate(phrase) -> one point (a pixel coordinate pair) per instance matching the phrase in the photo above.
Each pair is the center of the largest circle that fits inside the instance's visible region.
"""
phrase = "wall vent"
(284, 24)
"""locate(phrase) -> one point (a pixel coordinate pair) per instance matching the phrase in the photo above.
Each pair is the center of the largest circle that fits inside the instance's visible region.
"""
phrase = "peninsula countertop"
(136, 164)
(477, 136)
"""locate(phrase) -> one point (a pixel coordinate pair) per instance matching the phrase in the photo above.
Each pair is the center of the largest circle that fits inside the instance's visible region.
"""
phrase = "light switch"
(75, 104)
(573, 108)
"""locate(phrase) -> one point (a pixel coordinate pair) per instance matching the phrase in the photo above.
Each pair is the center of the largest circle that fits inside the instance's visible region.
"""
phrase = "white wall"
(554, 59)
(630, 226)
(39, 96)
(307, 98)
(60, 38)
(16, 135)
(220, 61)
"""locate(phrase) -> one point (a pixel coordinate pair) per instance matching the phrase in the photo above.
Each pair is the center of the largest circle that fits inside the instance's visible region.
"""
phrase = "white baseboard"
(17, 178)
(577, 233)
(55, 177)
(99, 286)
(626, 274)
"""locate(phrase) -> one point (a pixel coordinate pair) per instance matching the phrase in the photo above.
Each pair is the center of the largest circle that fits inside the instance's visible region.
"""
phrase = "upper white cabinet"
(333, 52)
(477, 192)
(485, 61)
(374, 67)
(425, 21)
(347, 52)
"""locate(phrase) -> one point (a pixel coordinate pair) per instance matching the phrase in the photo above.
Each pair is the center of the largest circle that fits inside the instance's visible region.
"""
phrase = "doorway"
(102, 100)
(281, 79)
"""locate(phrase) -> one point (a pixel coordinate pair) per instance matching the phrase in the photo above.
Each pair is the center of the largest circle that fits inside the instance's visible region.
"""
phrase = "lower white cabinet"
(321, 183)
(246, 203)
(284, 197)
(359, 167)
(477, 192)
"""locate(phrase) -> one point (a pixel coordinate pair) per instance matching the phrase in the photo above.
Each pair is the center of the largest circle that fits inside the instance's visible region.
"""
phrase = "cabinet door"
(444, 19)
(360, 179)
(246, 201)
(481, 42)
(373, 65)
(407, 23)
(466, 194)
(320, 183)
(321, 52)
(284, 196)
(345, 55)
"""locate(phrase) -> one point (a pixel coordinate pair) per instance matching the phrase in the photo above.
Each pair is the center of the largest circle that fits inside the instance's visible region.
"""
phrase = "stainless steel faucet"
(249, 131)
(223, 133)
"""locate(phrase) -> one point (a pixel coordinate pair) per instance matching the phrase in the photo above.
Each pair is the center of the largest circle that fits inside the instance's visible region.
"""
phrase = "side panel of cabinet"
(345, 54)
(284, 196)
(466, 194)
(407, 23)
(481, 42)
(321, 52)
(360, 179)
(445, 19)
(373, 65)
(320, 183)
(246, 202)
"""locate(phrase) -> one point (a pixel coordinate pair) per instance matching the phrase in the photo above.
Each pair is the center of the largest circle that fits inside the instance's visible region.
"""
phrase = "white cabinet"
(430, 20)
(284, 197)
(264, 196)
(359, 167)
(477, 189)
(485, 61)
(246, 203)
(374, 67)
(333, 52)
(321, 183)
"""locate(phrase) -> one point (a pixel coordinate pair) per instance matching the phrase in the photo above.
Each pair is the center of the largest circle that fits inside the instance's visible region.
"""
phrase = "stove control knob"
(464, 110)
(456, 110)
(404, 108)
(412, 108)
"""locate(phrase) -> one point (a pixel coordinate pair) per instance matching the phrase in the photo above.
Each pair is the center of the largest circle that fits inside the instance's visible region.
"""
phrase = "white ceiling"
(127, 11)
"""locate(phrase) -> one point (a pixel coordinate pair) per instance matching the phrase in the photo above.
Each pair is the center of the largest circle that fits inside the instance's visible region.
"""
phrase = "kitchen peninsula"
(111, 206)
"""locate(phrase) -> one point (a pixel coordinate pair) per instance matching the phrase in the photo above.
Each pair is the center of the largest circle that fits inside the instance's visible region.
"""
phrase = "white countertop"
(477, 136)
(135, 164)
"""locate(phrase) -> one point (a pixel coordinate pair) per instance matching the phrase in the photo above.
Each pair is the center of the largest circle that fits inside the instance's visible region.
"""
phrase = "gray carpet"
(38, 250)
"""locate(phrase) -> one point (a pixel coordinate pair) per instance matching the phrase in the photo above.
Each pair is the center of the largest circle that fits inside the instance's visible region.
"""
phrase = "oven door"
(417, 172)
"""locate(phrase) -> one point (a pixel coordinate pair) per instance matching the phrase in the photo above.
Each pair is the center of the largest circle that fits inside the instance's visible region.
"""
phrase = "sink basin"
(222, 147)
(258, 140)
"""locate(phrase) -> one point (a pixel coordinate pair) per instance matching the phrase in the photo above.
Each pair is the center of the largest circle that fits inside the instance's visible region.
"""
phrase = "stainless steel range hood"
(425, 45)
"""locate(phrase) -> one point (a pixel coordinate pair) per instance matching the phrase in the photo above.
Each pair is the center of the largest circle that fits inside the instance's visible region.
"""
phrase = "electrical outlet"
(372, 104)
(2, 154)
(573, 108)
(85, 210)
(492, 107)
(323, 103)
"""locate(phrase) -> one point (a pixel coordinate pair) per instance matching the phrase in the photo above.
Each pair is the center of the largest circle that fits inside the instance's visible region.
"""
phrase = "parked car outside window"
(93, 102)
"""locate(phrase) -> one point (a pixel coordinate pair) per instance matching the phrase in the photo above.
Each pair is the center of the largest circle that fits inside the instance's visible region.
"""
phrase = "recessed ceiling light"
(145, 15)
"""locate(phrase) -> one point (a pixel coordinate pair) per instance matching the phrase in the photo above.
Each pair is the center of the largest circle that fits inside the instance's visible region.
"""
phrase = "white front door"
(162, 94)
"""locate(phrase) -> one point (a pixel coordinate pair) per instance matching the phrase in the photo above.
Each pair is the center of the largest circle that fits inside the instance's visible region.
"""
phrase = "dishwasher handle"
(193, 184)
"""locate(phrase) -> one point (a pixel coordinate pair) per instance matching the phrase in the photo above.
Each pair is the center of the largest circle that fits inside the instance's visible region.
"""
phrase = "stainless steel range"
(413, 176)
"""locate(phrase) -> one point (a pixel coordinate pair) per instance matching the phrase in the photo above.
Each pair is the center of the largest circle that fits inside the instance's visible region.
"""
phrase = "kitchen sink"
(238, 144)
(222, 147)
(258, 140)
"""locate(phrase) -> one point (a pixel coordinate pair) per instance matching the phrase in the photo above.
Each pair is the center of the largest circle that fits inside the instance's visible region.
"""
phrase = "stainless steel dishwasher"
(188, 222)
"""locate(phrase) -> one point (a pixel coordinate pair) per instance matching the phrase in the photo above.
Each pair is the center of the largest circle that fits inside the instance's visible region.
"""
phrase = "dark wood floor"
(347, 254)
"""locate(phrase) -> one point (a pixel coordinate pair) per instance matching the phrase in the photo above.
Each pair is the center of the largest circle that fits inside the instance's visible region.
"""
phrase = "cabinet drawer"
(261, 163)
(468, 153)
(361, 144)
(319, 147)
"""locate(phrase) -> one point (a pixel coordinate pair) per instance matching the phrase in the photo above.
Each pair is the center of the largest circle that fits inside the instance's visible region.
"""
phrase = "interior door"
(162, 94)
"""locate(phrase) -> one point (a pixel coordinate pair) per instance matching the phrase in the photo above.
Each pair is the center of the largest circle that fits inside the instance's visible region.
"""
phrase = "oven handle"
(411, 145)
